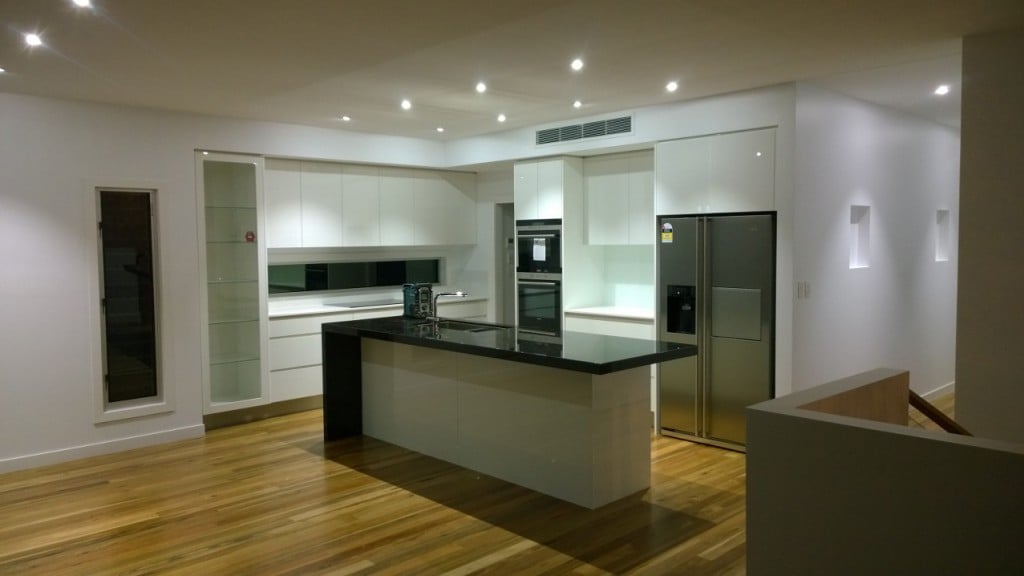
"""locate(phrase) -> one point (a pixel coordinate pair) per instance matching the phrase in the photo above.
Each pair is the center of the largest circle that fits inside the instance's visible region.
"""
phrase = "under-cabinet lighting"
(33, 40)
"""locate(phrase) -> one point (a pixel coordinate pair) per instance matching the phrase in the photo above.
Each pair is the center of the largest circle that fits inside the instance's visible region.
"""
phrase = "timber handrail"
(936, 415)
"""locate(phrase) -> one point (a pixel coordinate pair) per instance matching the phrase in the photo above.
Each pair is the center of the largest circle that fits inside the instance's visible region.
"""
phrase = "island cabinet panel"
(576, 436)
(732, 172)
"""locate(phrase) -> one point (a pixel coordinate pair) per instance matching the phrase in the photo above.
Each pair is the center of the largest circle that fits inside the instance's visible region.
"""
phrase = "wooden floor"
(269, 498)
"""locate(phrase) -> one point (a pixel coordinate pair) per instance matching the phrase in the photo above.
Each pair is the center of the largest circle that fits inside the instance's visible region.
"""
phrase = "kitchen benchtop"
(577, 351)
(614, 313)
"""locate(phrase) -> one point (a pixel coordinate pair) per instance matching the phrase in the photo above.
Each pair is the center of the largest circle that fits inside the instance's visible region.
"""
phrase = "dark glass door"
(129, 308)
(540, 306)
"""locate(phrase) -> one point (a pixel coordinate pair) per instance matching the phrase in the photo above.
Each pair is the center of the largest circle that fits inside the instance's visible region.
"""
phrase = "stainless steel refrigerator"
(716, 289)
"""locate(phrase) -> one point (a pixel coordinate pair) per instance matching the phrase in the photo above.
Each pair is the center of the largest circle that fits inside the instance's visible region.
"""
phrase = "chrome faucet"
(433, 307)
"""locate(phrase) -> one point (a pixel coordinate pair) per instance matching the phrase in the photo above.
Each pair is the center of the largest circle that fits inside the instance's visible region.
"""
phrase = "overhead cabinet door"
(733, 172)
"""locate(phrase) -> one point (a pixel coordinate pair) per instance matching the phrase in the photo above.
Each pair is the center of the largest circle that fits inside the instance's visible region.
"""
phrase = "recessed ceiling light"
(82, 3)
(2, 70)
(205, 153)
(672, 86)
(481, 87)
(440, 128)
(406, 105)
(346, 118)
(33, 39)
(501, 118)
(577, 64)
(577, 104)
(942, 90)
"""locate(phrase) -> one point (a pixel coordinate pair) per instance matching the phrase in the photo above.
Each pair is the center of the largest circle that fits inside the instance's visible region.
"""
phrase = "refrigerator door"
(739, 287)
(678, 316)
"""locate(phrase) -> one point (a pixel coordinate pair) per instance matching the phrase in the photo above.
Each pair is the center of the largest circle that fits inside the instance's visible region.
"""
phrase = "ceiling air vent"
(622, 125)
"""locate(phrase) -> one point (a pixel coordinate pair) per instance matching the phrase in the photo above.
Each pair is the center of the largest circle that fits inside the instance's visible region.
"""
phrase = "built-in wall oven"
(540, 303)
(539, 277)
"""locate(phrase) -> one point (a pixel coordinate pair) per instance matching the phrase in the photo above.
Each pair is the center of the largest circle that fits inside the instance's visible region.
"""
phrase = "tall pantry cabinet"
(233, 271)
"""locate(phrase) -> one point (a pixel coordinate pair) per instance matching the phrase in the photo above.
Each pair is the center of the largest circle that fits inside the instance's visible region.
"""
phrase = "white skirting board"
(948, 388)
(99, 448)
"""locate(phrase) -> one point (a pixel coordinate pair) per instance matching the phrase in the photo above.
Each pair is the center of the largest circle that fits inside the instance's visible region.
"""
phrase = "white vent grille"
(598, 128)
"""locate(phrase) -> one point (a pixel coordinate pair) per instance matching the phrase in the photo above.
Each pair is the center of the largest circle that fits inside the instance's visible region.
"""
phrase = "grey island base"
(568, 419)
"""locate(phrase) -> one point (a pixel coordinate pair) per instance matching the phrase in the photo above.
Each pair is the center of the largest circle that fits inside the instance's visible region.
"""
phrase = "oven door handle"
(525, 236)
(532, 283)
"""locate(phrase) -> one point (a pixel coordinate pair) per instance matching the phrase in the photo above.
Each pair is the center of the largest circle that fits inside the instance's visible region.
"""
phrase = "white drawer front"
(295, 351)
(296, 383)
(303, 324)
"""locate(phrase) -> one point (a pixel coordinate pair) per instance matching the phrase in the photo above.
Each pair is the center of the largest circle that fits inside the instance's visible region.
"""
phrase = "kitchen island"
(569, 418)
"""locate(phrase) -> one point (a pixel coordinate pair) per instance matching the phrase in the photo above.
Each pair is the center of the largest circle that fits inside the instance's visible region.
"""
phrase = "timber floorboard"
(269, 497)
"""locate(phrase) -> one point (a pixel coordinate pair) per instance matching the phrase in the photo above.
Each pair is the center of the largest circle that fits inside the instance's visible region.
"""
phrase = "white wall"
(901, 311)
(52, 155)
(990, 388)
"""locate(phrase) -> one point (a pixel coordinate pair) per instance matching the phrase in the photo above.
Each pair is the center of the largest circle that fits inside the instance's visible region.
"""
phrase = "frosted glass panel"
(235, 381)
(231, 262)
(229, 184)
(234, 301)
(234, 342)
(229, 224)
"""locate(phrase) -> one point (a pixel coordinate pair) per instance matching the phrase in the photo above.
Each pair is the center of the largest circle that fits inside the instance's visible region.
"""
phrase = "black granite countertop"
(578, 351)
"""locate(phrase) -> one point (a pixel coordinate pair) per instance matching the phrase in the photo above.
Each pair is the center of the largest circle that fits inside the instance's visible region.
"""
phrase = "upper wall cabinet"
(732, 172)
(282, 181)
(322, 204)
(619, 193)
(538, 186)
(322, 211)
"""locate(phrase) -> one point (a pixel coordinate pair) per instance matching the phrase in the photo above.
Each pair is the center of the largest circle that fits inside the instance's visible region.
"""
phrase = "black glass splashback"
(283, 278)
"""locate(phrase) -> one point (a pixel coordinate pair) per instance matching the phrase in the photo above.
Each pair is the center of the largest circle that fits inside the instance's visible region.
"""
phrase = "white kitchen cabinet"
(283, 201)
(295, 355)
(322, 204)
(431, 201)
(733, 172)
(641, 199)
(619, 196)
(322, 213)
(233, 270)
(539, 184)
(398, 190)
(360, 193)
(460, 190)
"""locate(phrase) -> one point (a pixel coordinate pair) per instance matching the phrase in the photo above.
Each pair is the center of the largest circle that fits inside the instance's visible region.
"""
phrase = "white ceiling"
(310, 61)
